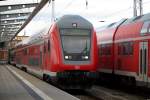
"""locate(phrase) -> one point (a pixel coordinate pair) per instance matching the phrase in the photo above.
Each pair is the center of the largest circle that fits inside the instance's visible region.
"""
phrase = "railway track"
(103, 93)
(86, 97)
(83, 95)
(112, 94)
(120, 92)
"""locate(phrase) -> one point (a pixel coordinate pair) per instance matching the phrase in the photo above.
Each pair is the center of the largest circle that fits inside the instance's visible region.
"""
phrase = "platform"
(18, 85)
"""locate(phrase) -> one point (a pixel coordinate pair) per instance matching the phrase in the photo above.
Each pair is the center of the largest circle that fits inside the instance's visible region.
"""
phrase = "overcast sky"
(96, 11)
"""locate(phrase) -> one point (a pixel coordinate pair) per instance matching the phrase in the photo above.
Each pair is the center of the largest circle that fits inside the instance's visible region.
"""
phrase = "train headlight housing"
(66, 57)
(70, 57)
(85, 57)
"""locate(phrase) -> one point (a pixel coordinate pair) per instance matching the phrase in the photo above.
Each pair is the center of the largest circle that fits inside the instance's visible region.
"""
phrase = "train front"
(78, 52)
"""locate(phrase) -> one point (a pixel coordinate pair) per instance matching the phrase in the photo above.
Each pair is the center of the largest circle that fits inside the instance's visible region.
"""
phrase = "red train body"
(124, 51)
(63, 55)
(3, 56)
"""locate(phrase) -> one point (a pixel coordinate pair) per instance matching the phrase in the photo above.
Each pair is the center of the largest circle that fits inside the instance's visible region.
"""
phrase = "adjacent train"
(11, 56)
(124, 51)
(67, 54)
(3, 56)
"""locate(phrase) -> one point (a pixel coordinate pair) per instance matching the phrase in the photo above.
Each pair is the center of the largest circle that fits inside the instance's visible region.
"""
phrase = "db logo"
(77, 67)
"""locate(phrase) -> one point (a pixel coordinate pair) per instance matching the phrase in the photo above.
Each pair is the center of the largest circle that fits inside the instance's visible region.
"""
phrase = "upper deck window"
(25, 51)
(125, 48)
(145, 28)
(105, 49)
(74, 32)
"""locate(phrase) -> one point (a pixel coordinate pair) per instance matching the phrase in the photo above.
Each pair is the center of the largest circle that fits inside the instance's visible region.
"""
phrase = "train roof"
(34, 38)
(111, 25)
(143, 18)
(67, 21)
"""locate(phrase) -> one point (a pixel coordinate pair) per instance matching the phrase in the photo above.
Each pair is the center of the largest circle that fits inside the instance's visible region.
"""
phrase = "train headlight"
(86, 57)
(66, 57)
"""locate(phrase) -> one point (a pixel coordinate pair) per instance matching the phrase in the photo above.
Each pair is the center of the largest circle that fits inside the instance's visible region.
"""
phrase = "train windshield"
(75, 44)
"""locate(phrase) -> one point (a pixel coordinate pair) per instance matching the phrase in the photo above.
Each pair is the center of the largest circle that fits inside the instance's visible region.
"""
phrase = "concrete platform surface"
(18, 85)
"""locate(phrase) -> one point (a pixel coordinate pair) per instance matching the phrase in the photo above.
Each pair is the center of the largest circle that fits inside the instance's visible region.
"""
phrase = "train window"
(110, 25)
(125, 48)
(34, 61)
(48, 45)
(44, 48)
(25, 51)
(132, 19)
(105, 49)
(75, 32)
(145, 27)
(137, 18)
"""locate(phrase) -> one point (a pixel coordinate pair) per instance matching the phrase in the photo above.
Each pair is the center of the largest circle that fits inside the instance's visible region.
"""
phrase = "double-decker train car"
(124, 52)
(66, 55)
(11, 56)
(3, 56)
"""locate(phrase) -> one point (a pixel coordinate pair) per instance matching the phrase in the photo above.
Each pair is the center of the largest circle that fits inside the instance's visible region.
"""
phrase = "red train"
(3, 56)
(124, 52)
(65, 55)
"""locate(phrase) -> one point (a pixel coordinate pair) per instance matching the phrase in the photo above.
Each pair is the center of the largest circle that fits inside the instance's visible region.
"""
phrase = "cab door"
(44, 56)
(41, 57)
(143, 65)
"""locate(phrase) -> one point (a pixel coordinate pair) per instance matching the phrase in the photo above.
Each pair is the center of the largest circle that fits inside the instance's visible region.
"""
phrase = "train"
(3, 56)
(11, 56)
(64, 54)
(123, 51)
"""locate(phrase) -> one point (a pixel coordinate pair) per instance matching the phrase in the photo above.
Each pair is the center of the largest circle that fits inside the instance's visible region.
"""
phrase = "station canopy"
(13, 14)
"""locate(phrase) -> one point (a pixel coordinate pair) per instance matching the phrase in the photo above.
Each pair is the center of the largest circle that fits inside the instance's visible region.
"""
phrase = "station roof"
(13, 14)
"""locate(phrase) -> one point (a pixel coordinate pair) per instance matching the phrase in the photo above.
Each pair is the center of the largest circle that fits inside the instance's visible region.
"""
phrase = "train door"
(44, 56)
(41, 56)
(143, 68)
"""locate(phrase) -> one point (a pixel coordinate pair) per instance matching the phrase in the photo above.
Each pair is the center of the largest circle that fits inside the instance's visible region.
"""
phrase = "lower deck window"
(105, 49)
(33, 61)
(125, 48)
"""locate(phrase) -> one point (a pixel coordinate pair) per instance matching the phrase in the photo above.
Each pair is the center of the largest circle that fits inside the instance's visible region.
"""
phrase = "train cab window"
(145, 28)
(125, 48)
(105, 49)
(76, 44)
